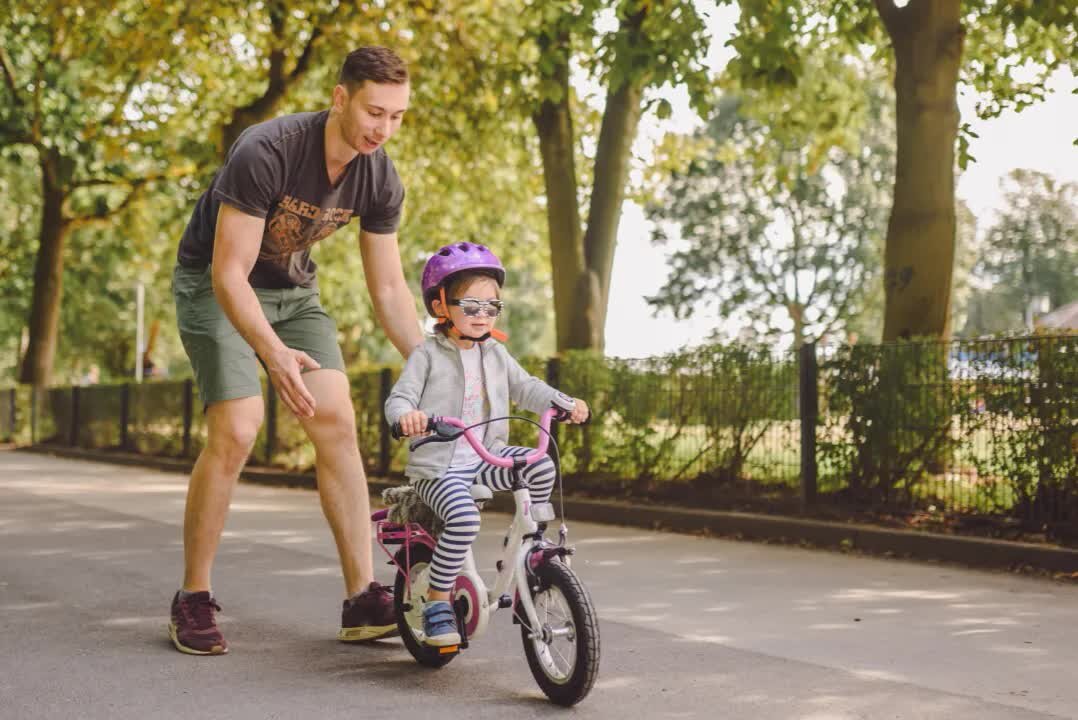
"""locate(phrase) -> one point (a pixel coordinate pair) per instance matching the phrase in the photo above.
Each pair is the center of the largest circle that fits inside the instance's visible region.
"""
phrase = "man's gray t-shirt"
(277, 170)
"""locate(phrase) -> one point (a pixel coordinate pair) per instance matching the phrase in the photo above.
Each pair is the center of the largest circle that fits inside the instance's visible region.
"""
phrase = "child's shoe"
(440, 624)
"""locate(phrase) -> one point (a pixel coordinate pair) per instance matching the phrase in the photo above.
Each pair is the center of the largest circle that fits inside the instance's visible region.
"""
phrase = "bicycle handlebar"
(445, 429)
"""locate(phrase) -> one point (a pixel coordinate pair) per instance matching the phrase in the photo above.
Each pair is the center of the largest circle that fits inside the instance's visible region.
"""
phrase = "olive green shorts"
(225, 366)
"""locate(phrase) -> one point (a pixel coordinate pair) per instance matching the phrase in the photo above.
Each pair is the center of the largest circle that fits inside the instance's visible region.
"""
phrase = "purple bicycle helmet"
(456, 258)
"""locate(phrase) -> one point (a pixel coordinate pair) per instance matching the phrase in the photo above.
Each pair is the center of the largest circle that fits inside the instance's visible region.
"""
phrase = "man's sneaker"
(368, 615)
(193, 628)
(440, 624)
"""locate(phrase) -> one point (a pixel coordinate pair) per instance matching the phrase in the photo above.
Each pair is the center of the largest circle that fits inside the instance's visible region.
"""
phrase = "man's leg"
(367, 613)
(226, 371)
(232, 426)
(342, 483)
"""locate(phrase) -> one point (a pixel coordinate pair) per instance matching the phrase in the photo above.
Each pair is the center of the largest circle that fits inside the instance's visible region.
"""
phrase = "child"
(460, 372)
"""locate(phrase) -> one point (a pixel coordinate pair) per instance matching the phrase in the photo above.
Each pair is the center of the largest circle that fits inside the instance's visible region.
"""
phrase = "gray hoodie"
(433, 381)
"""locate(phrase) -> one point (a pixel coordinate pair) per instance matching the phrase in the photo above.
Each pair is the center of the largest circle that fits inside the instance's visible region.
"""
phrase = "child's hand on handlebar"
(580, 412)
(413, 423)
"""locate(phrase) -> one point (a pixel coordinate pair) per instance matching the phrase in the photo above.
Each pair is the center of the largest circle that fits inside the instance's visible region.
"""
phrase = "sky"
(1040, 138)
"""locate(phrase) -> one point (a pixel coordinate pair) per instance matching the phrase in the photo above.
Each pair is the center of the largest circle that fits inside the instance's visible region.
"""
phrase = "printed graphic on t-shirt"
(296, 225)
(475, 409)
(474, 395)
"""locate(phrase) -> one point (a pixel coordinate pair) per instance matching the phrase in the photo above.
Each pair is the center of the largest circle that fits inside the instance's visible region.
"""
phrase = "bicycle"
(559, 625)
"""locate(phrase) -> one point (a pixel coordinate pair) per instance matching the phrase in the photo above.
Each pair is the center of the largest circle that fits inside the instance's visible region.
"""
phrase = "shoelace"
(200, 613)
(380, 588)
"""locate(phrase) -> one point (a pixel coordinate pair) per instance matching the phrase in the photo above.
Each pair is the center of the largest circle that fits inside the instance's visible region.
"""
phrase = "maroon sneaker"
(368, 615)
(193, 628)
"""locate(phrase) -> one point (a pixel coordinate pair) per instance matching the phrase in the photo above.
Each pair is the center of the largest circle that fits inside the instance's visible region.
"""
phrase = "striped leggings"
(450, 498)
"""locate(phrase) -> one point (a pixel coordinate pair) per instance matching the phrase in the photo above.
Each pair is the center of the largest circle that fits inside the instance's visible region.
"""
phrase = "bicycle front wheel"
(563, 652)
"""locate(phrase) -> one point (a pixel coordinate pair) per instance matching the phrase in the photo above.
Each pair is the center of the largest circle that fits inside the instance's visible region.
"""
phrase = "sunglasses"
(472, 307)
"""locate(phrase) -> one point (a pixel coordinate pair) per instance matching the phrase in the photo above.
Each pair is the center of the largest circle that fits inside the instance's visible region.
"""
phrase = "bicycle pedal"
(449, 650)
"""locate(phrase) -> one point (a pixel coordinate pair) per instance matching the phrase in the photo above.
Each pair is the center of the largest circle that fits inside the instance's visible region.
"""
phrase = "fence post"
(553, 379)
(125, 413)
(13, 417)
(385, 454)
(33, 414)
(808, 393)
(73, 435)
(188, 411)
(271, 422)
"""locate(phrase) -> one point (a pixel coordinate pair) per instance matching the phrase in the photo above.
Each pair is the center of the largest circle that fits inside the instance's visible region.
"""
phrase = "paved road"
(691, 628)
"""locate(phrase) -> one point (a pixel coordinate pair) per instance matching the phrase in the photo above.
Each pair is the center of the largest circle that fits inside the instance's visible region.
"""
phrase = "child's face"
(484, 290)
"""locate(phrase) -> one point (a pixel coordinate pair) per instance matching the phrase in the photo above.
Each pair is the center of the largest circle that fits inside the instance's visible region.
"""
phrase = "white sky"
(1040, 138)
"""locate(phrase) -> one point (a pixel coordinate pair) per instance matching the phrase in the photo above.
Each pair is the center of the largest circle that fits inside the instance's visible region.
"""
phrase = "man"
(246, 292)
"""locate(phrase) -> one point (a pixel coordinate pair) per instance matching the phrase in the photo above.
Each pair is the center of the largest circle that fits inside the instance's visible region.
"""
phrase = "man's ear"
(340, 97)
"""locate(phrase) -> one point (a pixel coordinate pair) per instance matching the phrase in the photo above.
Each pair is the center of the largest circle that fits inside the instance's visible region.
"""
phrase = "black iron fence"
(961, 434)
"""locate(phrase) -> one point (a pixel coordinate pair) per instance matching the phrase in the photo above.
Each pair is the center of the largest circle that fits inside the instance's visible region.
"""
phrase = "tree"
(651, 44)
(934, 45)
(82, 89)
(773, 226)
(1031, 251)
(119, 106)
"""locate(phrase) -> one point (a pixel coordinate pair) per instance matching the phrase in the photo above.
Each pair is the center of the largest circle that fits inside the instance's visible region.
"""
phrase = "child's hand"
(413, 423)
(580, 412)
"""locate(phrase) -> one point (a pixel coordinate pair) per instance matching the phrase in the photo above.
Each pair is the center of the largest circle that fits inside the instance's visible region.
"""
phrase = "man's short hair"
(374, 63)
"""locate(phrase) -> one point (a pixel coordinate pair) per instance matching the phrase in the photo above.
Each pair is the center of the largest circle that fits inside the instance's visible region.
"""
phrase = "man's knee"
(233, 427)
(333, 427)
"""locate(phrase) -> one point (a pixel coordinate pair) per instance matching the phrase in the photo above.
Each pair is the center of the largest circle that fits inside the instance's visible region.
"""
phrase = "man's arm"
(236, 243)
(394, 305)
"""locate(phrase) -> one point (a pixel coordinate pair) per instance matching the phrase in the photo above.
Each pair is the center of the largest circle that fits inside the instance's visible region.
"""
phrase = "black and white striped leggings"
(450, 498)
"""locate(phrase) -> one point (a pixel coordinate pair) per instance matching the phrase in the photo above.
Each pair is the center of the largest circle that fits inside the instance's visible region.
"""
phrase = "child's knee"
(541, 470)
(463, 521)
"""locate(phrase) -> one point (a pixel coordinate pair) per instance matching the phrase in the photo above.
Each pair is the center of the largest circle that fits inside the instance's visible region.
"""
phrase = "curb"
(968, 551)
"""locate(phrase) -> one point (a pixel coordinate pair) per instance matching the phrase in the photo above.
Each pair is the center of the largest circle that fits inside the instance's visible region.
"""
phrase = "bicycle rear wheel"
(564, 655)
(410, 619)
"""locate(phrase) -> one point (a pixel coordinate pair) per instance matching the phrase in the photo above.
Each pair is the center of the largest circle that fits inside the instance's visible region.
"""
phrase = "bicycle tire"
(577, 684)
(424, 654)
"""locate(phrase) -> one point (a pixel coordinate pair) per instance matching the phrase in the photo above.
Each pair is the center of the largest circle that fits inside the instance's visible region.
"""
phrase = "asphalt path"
(90, 555)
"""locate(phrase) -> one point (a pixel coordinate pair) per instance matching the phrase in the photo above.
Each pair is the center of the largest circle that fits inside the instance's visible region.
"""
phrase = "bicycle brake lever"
(444, 431)
(440, 432)
(424, 440)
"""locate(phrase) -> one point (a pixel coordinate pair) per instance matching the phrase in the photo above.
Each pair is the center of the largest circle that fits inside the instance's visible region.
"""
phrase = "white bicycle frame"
(513, 571)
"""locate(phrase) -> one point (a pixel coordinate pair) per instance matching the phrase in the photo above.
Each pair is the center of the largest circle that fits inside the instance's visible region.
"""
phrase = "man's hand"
(284, 368)
(413, 423)
(580, 412)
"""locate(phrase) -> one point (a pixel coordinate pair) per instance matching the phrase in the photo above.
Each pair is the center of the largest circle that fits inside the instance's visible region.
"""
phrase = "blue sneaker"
(440, 624)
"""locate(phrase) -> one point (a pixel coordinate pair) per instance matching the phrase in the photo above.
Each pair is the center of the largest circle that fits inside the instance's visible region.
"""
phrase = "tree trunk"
(582, 263)
(620, 120)
(927, 36)
(797, 315)
(48, 276)
(554, 124)
(259, 110)
(265, 106)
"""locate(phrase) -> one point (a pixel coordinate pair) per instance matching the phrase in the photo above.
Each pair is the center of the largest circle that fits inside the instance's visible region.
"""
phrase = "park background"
(802, 257)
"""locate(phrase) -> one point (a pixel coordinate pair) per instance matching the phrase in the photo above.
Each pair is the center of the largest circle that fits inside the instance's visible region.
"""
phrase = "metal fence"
(984, 430)
(980, 432)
